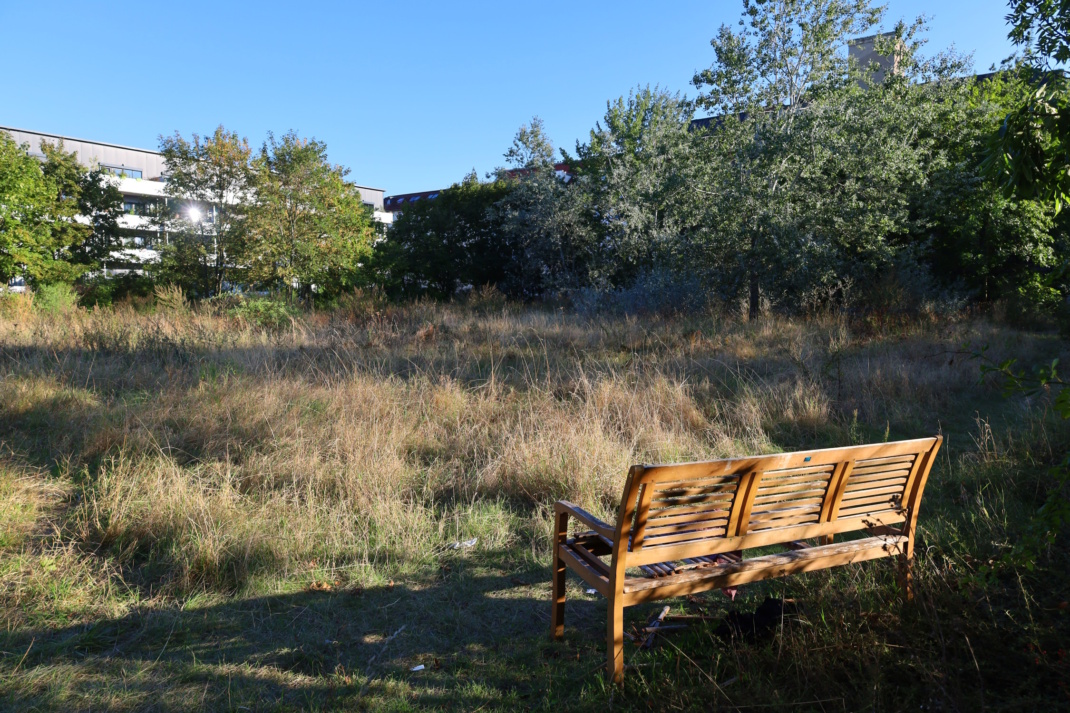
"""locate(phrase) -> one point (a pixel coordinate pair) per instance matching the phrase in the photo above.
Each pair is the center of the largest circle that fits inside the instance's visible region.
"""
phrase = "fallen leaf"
(320, 587)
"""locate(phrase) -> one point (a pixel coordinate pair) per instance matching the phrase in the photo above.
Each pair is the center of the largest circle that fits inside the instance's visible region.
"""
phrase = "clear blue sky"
(410, 96)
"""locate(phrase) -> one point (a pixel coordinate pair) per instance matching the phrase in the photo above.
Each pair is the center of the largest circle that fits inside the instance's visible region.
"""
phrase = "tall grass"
(203, 452)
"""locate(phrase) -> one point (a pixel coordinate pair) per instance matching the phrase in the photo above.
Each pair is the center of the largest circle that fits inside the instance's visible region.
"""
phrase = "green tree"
(997, 245)
(438, 246)
(1030, 154)
(638, 171)
(99, 203)
(308, 228)
(39, 230)
(208, 189)
(763, 85)
(531, 147)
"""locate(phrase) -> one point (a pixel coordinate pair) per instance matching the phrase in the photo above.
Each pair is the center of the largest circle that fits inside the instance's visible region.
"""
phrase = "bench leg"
(557, 615)
(906, 578)
(615, 640)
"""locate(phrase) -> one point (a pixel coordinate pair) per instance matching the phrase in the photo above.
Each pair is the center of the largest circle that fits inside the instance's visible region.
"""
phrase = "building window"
(133, 206)
(121, 171)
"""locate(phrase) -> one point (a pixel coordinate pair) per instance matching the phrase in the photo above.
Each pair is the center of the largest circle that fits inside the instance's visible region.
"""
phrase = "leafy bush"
(103, 291)
(263, 312)
(58, 298)
(658, 291)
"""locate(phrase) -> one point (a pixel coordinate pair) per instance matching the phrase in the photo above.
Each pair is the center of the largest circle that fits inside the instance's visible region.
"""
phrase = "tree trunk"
(755, 295)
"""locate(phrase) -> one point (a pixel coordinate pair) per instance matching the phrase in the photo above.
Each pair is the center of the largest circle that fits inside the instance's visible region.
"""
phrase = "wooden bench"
(683, 528)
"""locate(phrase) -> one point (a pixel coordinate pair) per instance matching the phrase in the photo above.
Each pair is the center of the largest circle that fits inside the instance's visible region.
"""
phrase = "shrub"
(171, 298)
(103, 291)
(16, 306)
(263, 312)
(58, 298)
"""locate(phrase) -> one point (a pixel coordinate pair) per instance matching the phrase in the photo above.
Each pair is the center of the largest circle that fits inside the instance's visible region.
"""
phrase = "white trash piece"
(464, 545)
(592, 591)
(417, 668)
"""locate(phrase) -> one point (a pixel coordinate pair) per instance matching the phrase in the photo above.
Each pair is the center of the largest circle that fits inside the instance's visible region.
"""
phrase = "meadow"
(205, 510)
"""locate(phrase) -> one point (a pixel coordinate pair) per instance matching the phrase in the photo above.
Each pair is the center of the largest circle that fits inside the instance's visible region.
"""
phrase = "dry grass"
(177, 457)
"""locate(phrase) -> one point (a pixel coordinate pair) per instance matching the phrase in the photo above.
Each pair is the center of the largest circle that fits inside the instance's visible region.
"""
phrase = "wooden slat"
(686, 526)
(815, 486)
(760, 568)
(802, 519)
(599, 581)
(867, 462)
(723, 544)
(890, 468)
(663, 513)
(855, 503)
(818, 471)
(691, 487)
(777, 505)
(877, 478)
(654, 526)
(826, 456)
(712, 498)
(694, 533)
(864, 513)
(857, 493)
(641, 513)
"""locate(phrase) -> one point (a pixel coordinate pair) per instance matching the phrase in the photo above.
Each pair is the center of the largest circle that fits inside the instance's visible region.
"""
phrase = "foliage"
(531, 147)
(101, 291)
(38, 231)
(55, 298)
(307, 229)
(636, 173)
(98, 202)
(263, 311)
(208, 186)
(171, 298)
(440, 246)
(1030, 154)
(1053, 518)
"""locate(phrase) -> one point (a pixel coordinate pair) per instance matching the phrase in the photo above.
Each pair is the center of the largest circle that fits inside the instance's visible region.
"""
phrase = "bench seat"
(699, 575)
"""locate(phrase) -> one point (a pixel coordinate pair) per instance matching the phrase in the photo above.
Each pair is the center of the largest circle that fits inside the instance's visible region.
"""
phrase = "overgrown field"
(202, 512)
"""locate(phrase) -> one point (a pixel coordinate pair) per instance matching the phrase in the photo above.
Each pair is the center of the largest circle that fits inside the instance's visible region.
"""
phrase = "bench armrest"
(602, 528)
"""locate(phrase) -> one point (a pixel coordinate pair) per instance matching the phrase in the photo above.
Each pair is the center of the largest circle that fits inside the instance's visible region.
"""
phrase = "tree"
(637, 170)
(308, 229)
(1030, 154)
(41, 237)
(439, 246)
(208, 189)
(99, 203)
(531, 147)
(764, 78)
(996, 245)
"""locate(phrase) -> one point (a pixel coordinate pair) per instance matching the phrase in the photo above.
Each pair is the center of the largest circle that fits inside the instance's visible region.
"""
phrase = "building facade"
(141, 176)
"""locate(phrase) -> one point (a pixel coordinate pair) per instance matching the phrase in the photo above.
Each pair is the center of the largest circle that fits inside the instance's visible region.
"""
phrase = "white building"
(141, 176)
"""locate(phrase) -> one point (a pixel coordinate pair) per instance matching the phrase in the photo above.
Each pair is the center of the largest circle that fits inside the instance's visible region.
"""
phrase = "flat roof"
(121, 146)
(73, 138)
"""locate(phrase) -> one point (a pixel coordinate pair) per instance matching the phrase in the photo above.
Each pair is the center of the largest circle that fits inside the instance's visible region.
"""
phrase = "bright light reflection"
(194, 215)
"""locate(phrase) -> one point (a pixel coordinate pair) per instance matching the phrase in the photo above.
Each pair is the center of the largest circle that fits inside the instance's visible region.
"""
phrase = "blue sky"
(410, 96)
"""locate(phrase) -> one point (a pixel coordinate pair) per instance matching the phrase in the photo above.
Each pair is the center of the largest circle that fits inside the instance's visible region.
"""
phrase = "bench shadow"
(482, 637)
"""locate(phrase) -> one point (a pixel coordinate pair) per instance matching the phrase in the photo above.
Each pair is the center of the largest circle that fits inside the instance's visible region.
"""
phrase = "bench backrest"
(670, 512)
